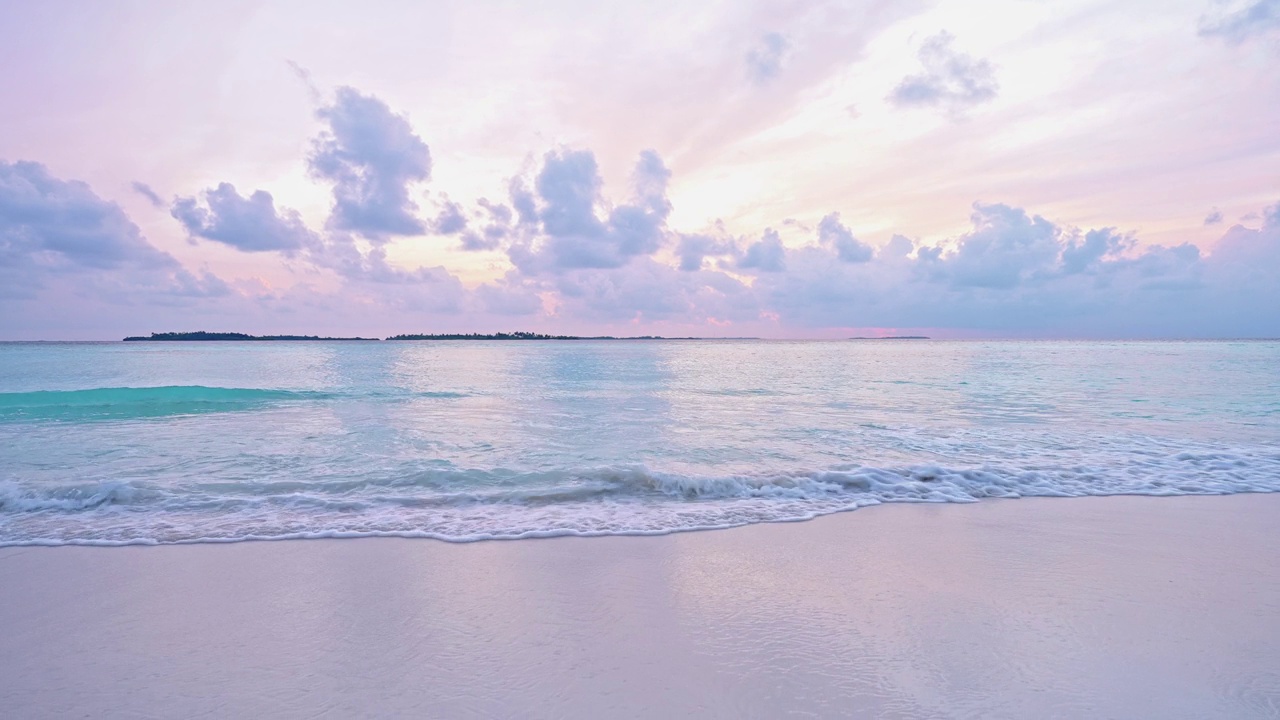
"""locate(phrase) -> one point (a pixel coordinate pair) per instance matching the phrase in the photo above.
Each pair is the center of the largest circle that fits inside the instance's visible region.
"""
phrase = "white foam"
(469, 505)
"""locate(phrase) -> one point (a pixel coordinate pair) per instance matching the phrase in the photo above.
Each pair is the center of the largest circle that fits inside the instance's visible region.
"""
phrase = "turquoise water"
(112, 443)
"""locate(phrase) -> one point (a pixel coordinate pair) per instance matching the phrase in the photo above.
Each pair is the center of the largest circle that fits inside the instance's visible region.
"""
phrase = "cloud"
(567, 224)
(48, 224)
(372, 156)
(152, 197)
(569, 184)
(509, 296)
(385, 289)
(496, 230)
(372, 281)
(304, 76)
(1259, 247)
(694, 249)
(450, 221)
(832, 233)
(251, 224)
(648, 291)
(1083, 254)
(1214, 217)
(765, 255)
(951, 79)
(581, 258)
(67, 255)
(524, 202)
(492, 224)
(766, 59)
(1015, 273)
(1012, 272)
(1238, 22)
(1005, 248)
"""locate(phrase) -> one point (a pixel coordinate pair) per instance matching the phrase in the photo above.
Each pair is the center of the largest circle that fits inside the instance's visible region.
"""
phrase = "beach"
(1118, 607)
(855, 359)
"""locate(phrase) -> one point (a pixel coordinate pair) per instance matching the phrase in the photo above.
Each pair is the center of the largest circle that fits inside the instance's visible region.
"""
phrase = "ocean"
(180, 442)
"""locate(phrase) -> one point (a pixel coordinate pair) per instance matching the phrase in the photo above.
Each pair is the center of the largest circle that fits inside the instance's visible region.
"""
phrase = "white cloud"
(951, 79)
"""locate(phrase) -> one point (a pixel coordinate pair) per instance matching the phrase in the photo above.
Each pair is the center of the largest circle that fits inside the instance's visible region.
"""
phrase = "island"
(893, 337)
(220, 336)
(244, 337)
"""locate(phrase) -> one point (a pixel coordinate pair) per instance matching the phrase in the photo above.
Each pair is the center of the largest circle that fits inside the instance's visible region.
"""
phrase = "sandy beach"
(1119, 607)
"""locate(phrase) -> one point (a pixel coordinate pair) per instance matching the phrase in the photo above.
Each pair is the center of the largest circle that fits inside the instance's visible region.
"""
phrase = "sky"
(1004, 168)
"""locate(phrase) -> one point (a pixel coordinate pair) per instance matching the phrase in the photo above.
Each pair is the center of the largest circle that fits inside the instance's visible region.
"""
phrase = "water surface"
(110, 443)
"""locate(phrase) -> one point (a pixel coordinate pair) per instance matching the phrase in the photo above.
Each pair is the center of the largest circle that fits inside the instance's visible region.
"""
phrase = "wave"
(117, 403)
(137, 402)
(464, 505)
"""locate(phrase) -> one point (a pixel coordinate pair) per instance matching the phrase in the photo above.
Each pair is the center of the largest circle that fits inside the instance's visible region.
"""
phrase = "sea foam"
(466, 504)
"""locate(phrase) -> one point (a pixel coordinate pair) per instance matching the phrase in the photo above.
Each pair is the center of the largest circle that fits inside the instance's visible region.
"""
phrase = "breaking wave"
(137, 402)
(463, 505)
(124, 403)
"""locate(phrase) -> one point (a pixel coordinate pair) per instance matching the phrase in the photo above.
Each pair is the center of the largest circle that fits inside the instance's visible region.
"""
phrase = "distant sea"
(123, 443)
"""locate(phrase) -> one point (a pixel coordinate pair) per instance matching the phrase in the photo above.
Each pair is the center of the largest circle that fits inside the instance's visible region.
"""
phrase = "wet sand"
(1121, 607)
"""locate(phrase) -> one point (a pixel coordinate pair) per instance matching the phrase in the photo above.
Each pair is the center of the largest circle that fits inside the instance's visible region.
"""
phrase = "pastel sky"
(1004, 168)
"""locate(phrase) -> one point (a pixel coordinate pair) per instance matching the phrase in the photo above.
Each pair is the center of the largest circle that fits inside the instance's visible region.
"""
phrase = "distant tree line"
(202, 335)
(232, 336)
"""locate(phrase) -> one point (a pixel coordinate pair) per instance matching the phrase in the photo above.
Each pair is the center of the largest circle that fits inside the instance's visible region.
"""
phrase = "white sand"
(1121, 607)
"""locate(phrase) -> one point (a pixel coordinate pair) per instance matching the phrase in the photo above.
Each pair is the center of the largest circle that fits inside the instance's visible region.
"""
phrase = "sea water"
(171, 442)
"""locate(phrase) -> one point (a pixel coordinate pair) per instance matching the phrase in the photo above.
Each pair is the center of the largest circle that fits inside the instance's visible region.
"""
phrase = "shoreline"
(1125, 606)
(557, 534)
